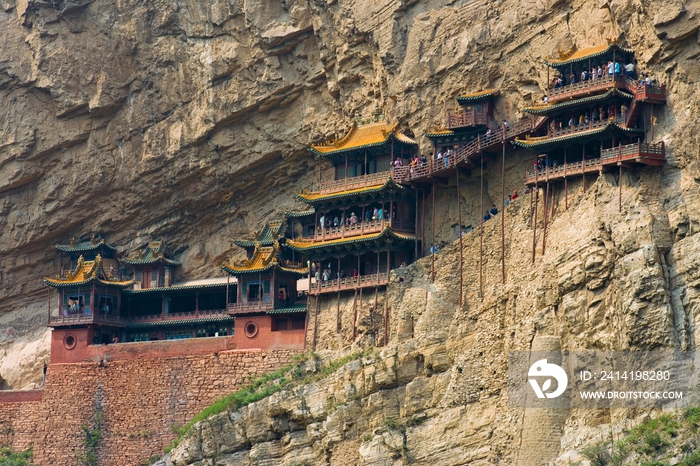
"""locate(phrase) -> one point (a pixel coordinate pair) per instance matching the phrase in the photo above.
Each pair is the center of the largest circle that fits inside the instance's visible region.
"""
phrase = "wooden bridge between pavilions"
(462, 157)
(653, 154)
(641, 91)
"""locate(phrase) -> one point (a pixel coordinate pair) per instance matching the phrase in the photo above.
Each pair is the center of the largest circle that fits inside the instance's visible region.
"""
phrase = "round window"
(69, 341)
(251, 329)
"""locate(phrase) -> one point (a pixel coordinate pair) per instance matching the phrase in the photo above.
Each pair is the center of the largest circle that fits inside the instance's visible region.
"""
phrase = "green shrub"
(9, 457)
(597, 454)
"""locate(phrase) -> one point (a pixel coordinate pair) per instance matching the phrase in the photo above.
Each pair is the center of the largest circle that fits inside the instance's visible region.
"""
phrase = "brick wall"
(140, 399)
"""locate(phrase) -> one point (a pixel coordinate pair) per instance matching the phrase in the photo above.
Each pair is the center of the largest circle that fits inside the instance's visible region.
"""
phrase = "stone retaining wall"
(141, 400)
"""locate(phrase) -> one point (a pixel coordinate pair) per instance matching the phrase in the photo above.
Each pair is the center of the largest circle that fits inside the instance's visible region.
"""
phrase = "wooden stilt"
(318, 308)
(583, 167)
(534, 229)
(566, 185)
(354, 316)
(422, 228)
(415, 257)
(544, 216)
(503, 215)
(459, 232)
(432, 243)
(620, 192)
(481, 234)
(374, 309)
(337, 325)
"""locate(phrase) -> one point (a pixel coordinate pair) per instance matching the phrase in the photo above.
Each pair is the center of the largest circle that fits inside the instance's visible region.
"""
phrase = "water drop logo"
(542, 369)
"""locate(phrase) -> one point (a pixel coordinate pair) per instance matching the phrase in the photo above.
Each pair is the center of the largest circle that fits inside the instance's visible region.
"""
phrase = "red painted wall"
(20, 396)
(82, 352)
(265, 338)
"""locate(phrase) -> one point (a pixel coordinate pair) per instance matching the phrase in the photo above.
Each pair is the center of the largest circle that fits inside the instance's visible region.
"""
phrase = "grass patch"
(267, 385)
(9, 457)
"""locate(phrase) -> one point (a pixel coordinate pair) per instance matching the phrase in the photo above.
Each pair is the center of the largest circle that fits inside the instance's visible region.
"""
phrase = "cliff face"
(192, 119)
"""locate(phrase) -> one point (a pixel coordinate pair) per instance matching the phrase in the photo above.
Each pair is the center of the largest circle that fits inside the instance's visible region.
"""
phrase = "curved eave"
(582, 134)
(327, 150)
(287, 310)
(312, 198)
(90, 247)
(477, 96)
(439, 134)
(162, 289)
(544, 110)
(57, 283)
(244, 243)
(301, 214)
(237, 270)
(164, 323)
(160, 260)
(302, 246)
(580, 55)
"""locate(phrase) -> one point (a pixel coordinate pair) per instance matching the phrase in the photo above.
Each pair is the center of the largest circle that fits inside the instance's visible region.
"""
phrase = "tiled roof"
(545, 109)
(387, 232)
(311, 198)
(193, 285)
(155, 252)
(272, 230)
(164, 323)
(92, 244)
(87, 272)
(545, 141)
(264, 258)
(373, 134)
(585, 54)
(287, 310)
(439, 132)
(302, 213)
(476, 96)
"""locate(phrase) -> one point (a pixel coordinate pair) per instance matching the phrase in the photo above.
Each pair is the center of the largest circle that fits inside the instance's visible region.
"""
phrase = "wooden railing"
(178, 316)
(571, 91)
(466, 118)
(355, 182)
(250, 306)
(89, 318)
(464, 153)
(359, 228)
(85, 318)
(580, 128)
(349, 283)
(638, 152)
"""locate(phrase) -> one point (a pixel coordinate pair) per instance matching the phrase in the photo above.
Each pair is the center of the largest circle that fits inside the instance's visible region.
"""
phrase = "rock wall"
(142, 402)
(437, 393)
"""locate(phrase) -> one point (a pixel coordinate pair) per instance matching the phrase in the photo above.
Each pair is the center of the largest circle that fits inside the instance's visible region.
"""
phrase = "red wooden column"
(196, 304)
(459, 232)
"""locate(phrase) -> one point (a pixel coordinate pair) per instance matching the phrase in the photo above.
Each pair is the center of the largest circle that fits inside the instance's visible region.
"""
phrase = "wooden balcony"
(349, 283)
(360, 228)
(84, 318)
(117, 321)
(644, 92)
(466, 118)
(250, 307)
(653, 154)
(355, 182)
(490, 142)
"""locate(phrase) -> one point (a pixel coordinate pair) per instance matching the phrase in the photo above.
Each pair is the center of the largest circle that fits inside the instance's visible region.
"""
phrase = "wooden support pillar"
(354, 316)
(228, 280)
(162, 305)
(319, 173)
(196, 304)
(566, 185)
(337, 317)
(346, 171)
(422, 228)
(544, 217)
(534, 228)
(459, 232)
(620, 190)
(415, 255)
(503, 215)
(481, 233)
(48, 299)
(374, 309)
(432, 243)
(92, 300)
(386, 300)
(583, 167)
(318, 308)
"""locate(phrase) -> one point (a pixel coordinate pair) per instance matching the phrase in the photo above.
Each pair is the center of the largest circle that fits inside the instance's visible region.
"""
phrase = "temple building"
(598, 118)
(364, 222)
(269, 309)
(89, 295)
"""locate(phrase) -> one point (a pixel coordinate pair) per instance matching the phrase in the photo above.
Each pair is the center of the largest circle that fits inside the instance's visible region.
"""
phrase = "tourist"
(610, 68)
(494, 210)
(618, 68)
(375, 214)
(115, 340)
(424, 160)
(353, 219)
(509, 200)
(545, 99)
(447, 158)
(380, 214)
(573, 78)
(398, 163)
(325, 275)
(439, 155)
(515, 194)
(647, 80)
(504, 125)
(599, 72)
(336, 222)
(488, 132)
(355, 273)
(487, 216)
(629, 70)
(433, 249)
(586, 120)
(368, 215)
(322, 221)
(571, 122)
